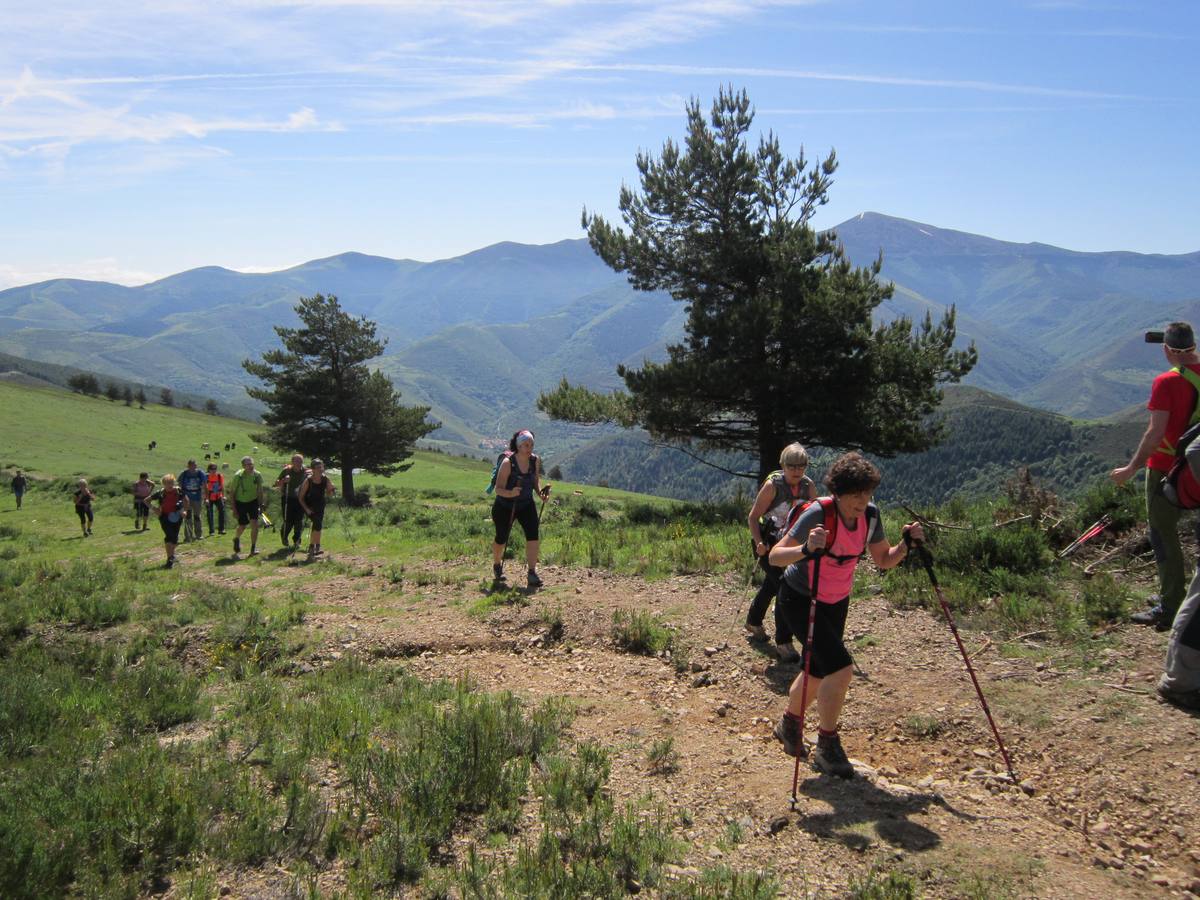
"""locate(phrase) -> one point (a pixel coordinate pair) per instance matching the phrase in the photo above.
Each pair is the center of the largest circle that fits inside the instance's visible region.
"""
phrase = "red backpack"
(1181, 487)
(830, 524)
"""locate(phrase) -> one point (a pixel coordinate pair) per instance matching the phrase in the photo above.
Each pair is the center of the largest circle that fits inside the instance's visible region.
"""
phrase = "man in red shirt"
(1173, 401)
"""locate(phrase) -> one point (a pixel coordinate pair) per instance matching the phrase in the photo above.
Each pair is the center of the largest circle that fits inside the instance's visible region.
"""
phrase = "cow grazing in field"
(205, 446)
(208, 456)
(152, 445)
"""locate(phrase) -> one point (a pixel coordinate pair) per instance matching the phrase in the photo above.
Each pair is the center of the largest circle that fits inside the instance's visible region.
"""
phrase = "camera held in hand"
(1155, 337)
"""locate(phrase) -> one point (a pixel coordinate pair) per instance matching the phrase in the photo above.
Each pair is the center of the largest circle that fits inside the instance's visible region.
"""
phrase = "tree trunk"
(347, 483)
(769, 447)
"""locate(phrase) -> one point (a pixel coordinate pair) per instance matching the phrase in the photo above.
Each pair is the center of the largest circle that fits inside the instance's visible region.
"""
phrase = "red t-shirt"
(1171, 392)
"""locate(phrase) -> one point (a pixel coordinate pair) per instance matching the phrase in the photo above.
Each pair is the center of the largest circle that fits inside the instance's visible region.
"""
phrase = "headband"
(523, 436)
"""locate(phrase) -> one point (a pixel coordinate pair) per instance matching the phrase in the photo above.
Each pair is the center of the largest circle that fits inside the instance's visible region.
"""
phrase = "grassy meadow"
(156, 729)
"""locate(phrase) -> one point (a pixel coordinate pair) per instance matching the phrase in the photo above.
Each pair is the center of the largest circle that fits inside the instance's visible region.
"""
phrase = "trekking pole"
(927, 562)
(1090, 532)
(801, 750)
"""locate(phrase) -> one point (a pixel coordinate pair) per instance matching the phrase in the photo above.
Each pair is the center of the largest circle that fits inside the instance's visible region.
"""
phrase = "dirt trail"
(1110, 807)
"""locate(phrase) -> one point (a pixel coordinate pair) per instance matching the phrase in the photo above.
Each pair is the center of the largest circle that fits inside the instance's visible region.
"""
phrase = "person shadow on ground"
(859, 802)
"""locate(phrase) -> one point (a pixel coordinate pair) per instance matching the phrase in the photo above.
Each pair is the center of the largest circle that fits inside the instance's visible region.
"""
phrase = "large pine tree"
(780, 344)
(323, 401)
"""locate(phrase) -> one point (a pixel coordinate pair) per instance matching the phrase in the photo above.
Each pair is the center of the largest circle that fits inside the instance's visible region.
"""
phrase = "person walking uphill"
(312, 495)
(214, 498)
(1172, 405)
(831, 534)
(192, 482)
(780, 492)
(19, 486)
(517, 481)
(142, 489)
(83, 506)
(246, 489)
(289, 482)
(171, 506)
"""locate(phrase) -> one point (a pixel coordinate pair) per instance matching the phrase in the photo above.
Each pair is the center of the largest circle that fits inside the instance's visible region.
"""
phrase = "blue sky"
(149, 137)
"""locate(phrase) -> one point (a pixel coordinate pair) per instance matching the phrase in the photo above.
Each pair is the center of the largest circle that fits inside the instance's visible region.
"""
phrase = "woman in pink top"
(853, 529)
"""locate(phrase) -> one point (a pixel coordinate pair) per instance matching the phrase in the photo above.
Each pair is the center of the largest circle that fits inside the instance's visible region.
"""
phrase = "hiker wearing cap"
(312, 495)
(824, 545)
(19, 485)
(517, 481)
(1172, 405)
(214, 498)
(246, 489)
(171, 506)
(289, 482)
(191, 482)
(142, 489)
(780, 492)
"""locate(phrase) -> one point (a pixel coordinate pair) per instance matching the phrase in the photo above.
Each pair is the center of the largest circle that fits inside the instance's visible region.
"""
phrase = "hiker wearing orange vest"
(1173, 406)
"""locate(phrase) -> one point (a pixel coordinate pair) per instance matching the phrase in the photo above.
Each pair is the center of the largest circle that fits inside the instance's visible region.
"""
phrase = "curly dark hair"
(852, 473)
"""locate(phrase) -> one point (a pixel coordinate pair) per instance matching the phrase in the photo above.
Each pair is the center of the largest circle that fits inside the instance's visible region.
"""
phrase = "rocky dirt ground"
(1107, 805)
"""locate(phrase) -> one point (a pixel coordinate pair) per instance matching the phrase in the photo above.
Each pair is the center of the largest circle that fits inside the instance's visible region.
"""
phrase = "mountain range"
(477, 337)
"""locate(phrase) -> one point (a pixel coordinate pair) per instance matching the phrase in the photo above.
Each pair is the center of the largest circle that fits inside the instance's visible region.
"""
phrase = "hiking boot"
(533, 580)
(237, 546)
(831, 758)
(497, 573)
(787, 653)
(1188, 700)
(170, 563)
(1155, 616)
(253, 550)
(756, 633)
(787, 732)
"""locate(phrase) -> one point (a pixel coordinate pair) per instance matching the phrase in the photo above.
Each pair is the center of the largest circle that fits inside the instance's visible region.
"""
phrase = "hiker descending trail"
(768, 517)
(821, 551)
(516, 480)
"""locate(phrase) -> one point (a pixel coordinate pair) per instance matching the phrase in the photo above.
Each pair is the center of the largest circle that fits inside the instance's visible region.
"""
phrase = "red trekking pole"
(801, 750)
(927, 562)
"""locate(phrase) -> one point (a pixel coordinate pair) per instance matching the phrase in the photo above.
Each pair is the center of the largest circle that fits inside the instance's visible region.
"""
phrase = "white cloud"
(102, 269)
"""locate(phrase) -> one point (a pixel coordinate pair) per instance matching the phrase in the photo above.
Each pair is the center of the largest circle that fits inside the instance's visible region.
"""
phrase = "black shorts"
(141, 506)
(84, 513)
(503, 518)
(317, 517)
(247, 511)
(829, 653)
(170, 529)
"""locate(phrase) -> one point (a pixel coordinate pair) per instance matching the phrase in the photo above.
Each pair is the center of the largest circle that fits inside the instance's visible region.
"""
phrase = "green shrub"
(662, 757)
(638, 631)
(1103, 600)
(878, 885)
(723, 883)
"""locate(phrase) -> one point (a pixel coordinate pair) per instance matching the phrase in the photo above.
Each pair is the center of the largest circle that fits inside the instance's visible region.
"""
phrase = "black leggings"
(829, 653)
(503, 517)
(772, 575)
(85, 514)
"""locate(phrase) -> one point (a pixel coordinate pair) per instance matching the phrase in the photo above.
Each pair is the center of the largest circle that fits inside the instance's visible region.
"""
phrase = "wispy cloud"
(105, 269)
(991, 87)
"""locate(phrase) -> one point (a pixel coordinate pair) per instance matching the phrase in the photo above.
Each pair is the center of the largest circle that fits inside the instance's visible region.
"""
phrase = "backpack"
(1181, 486)
(770, 524)
(830, 524)
(508, 454)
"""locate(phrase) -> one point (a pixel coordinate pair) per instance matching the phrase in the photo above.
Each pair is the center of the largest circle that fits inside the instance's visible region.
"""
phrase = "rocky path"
(1108, 803)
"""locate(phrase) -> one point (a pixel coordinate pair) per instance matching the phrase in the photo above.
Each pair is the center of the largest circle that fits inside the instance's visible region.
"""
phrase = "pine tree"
(779, 342)
(322, 400)
(166, 397)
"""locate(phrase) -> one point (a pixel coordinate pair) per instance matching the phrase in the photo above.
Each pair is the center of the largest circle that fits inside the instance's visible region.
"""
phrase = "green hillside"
(50, 432)
(988, 438)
